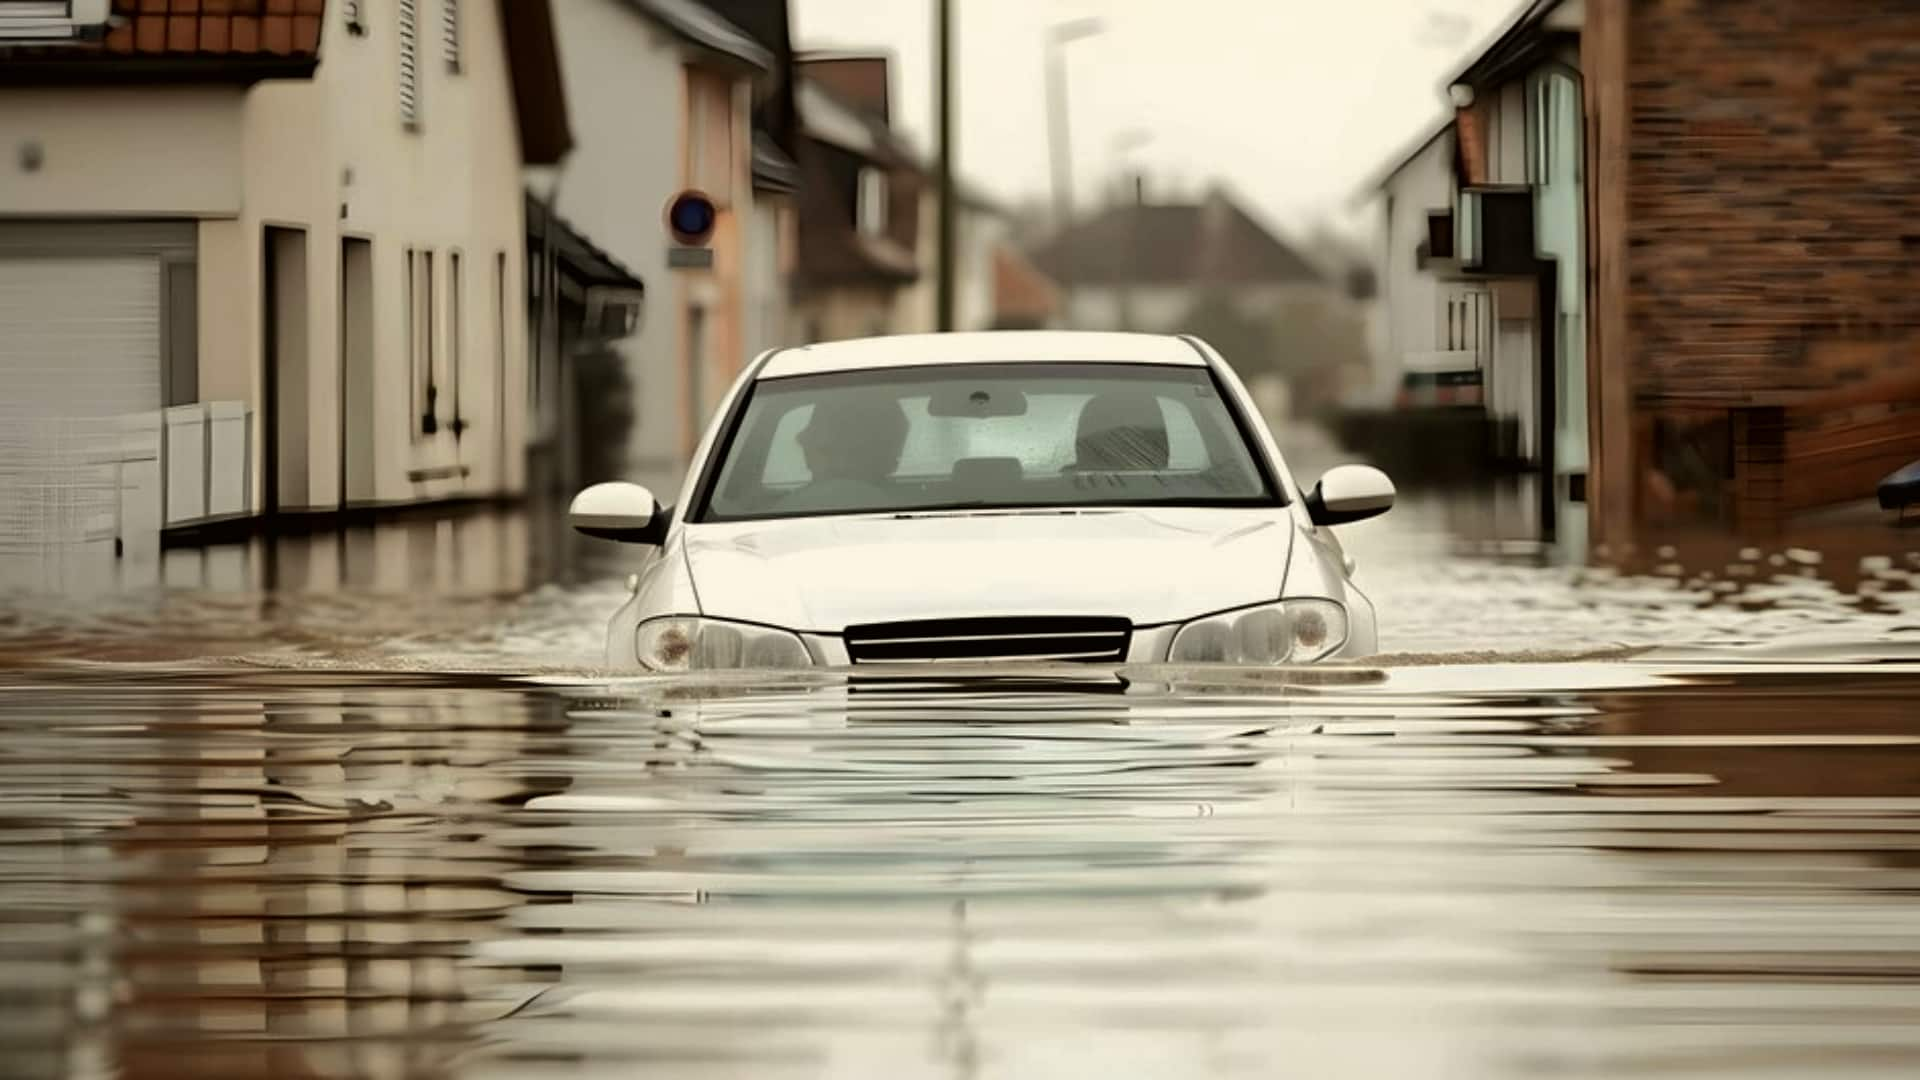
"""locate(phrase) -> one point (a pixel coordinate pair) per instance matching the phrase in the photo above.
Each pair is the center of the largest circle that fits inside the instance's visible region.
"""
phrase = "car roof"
(992, 347)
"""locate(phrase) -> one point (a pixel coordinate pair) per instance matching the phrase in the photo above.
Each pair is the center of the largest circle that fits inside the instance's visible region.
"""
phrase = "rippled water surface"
(1658, 822)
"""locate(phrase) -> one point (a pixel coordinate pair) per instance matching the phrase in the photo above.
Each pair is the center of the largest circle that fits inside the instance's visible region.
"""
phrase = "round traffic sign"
(691, 217)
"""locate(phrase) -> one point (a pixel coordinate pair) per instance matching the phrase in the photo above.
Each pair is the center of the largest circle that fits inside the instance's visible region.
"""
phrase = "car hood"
(1151, 566)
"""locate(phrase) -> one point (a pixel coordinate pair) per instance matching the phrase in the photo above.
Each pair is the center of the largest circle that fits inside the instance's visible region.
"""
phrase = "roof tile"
(276, 34)
(150, 34)
(213, 34)
(246, 33)
(193, 31)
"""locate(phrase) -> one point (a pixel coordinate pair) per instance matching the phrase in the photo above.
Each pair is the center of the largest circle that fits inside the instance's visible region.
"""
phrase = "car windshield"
(984, 436)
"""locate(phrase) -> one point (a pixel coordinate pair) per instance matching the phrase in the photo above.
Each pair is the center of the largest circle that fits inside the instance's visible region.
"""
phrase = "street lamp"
(1059, 140)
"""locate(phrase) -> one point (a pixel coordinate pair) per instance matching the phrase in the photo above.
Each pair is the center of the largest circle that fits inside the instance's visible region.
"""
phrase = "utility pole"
(949, 202)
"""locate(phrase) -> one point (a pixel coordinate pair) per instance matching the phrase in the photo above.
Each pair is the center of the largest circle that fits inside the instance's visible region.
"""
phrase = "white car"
(999, 497)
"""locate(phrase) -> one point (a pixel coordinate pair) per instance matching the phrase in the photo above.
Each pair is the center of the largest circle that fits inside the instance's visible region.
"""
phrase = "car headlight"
(1296, 631)
(681, 643)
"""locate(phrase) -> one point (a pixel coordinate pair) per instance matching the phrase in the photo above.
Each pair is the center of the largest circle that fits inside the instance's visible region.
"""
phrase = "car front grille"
(1077, 639)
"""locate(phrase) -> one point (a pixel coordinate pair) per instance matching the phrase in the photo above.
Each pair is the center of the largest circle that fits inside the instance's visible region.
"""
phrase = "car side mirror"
(627, 513)
(1350, 493)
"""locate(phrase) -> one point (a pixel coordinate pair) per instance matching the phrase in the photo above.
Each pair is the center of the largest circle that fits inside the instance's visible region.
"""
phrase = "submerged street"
(1576, 821)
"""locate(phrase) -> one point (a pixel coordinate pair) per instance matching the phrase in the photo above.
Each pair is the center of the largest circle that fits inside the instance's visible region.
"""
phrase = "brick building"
(1758, 252)
(1702, 223)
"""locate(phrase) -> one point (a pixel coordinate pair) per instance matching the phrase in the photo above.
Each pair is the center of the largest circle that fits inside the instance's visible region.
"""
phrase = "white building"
(310, 218)
(1432, 340)
(663, 96)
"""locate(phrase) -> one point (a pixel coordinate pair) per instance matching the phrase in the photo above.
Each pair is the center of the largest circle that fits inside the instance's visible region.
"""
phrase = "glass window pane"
(989, 436)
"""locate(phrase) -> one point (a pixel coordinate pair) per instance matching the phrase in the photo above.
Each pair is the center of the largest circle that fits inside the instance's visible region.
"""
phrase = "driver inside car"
(851, 446)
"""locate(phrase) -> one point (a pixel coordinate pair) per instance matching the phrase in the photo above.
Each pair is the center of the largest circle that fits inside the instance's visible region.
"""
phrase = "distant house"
(860, 191)
(300, 226)
(1024, 298)
(868, 222)
(1432, 342)
(1142, 266)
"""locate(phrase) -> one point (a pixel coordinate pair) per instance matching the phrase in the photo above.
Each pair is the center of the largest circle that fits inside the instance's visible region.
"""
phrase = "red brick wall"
(1773, 194)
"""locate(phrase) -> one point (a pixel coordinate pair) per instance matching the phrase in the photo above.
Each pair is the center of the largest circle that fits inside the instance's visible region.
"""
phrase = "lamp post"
(1059, 139)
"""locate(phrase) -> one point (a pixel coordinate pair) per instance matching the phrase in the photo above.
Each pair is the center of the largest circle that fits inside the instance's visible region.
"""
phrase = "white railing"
(79, 495)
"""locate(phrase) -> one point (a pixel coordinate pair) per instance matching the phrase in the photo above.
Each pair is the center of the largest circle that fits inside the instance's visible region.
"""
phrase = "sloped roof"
(239, 40)
(1215, 242)
(704, 28)
(1404, 156)
(773, 170)
(244, 41)
(586, 260)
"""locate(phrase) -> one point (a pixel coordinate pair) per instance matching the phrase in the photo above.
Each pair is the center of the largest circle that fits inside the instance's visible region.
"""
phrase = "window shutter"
(409, 63)
(450, 32)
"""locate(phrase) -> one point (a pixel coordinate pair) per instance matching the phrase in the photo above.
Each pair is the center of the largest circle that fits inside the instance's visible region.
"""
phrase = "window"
(430, 418)
(871, 207)
(453, 340)
(500, 364)
(422, 388)
(450, 33)
(1540, 131)
(409, 64)
(696, 411)
(1462, 319)
(1026, 435)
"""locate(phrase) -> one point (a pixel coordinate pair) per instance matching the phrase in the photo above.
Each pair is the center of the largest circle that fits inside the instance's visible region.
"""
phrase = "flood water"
(1582, 823)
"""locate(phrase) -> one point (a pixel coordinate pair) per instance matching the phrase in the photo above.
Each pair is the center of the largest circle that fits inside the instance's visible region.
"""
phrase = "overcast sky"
(1292, 102)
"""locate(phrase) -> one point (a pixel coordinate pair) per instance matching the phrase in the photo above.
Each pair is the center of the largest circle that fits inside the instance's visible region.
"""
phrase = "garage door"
(79, 337)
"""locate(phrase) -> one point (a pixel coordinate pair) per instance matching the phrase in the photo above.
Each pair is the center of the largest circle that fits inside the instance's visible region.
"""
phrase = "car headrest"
(1121, 431)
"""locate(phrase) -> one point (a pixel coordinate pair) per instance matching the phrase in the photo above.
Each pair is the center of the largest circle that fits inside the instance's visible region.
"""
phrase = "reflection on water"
(1609, 870)
(1655, 818)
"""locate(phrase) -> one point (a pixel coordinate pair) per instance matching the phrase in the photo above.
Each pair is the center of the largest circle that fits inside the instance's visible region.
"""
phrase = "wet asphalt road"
(1577, 823)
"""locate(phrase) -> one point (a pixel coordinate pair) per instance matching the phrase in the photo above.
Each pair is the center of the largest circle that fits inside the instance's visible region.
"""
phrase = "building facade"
(306, 216)
(665, 94)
